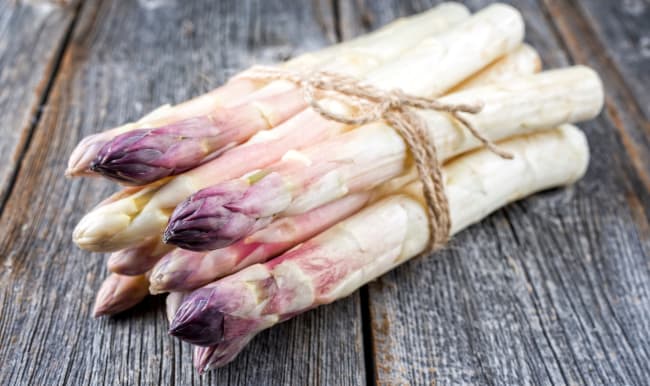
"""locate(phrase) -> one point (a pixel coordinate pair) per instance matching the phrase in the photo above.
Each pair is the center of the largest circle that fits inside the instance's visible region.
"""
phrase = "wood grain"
(31, 37)
(621, 107)
(624, 31)
(125, 58)
(552, 290)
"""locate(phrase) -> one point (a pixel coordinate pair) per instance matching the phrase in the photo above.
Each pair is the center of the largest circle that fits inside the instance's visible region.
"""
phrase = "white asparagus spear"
(523, 60)
(126, 222)
(230, 311)
(455, 54)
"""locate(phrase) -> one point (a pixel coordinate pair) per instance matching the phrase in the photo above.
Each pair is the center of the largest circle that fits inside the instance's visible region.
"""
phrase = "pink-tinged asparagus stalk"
(142, 155)
(436, 65)
(119, 293)
(379, 46)
(145, 155)
(230, 311)
(182, 270)
(88, 148)
(370, 155)
(137, 260)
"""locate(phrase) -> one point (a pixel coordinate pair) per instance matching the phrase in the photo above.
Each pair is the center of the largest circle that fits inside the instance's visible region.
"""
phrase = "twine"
(397, 109)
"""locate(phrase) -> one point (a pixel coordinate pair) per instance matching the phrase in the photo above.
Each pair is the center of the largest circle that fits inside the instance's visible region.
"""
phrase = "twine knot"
(397, 108)
(394, 99)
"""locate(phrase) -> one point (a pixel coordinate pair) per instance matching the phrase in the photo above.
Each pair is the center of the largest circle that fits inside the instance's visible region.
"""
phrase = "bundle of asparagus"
(251, 207)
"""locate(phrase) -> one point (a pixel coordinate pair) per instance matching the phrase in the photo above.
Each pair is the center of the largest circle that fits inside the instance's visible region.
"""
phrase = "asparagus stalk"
(230, 311)
(88, 148)
(184, 270)
(369, 49)
(360, 160)
(523, 60)
(119, 293)
(455, 54)
(124, 222)
(145, 155)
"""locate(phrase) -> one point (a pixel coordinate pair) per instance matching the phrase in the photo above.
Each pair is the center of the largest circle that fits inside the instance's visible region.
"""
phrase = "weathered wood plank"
(552, 290)
(621, 107)
(358, 17)
(624, 29)
(125, 58)
(31, 36)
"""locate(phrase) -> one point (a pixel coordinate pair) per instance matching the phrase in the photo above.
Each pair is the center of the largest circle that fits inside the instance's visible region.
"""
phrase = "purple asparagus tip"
(197, 321)
(218, 216)
(146, 155)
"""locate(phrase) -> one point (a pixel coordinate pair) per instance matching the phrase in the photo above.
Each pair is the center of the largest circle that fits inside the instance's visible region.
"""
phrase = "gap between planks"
(49, 79)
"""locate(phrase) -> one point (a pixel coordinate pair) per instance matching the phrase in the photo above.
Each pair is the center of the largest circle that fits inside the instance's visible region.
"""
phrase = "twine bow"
(398, 110)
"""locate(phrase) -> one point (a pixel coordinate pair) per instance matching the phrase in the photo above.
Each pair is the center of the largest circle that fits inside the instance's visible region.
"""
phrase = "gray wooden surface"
(552, 290)
(31, 38)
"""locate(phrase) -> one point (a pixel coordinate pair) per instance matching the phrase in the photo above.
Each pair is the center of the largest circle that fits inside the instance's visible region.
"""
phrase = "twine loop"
(397, 108)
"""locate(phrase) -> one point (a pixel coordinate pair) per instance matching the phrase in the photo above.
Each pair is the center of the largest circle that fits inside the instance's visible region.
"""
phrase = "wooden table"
(552, 290)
